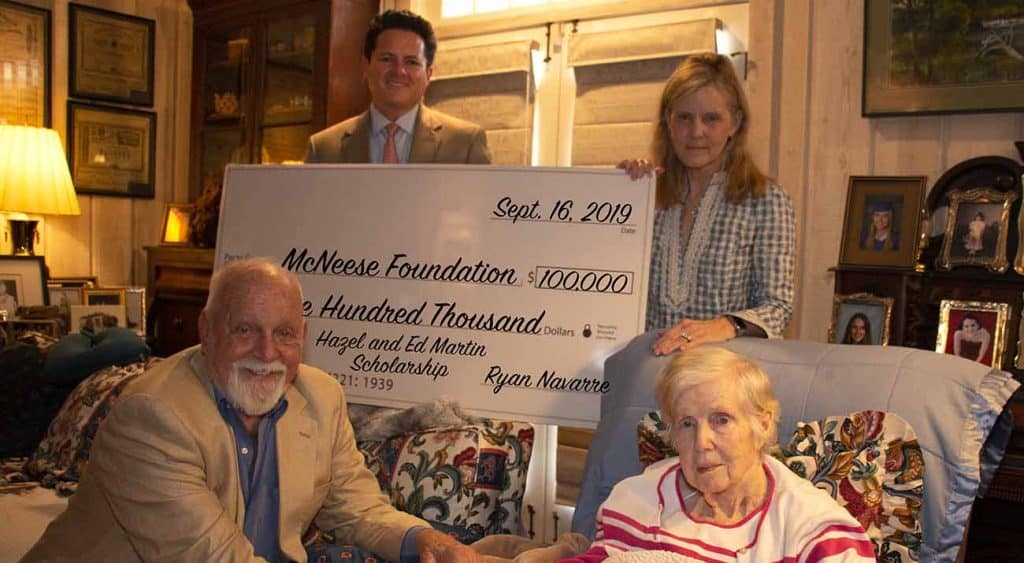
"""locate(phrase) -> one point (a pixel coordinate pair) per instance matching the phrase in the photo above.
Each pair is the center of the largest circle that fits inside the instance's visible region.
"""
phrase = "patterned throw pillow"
(467, 481)
(64, 450)
(869, 461)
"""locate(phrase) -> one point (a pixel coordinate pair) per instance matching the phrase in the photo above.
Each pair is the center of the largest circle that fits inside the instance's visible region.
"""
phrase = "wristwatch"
(738, 324)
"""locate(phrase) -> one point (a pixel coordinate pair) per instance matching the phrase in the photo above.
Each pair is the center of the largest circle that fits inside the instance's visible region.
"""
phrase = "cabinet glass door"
(288, 89)
(228, 68)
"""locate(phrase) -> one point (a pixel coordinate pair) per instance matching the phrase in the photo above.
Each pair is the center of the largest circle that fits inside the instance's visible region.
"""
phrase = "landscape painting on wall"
(940, 56)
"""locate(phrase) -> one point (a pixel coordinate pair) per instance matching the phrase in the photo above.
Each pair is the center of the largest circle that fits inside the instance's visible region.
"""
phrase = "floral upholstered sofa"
(467, 480)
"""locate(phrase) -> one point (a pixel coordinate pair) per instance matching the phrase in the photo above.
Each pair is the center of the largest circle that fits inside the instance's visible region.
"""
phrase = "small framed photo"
(110, 56)
(111, 150)
(977, 222)
(96, 318)
(975, 330)
(176, 229)
(103, 296)
(883, 217)
(83, 281)
(64, 297)
(860, 319)
(135, 309)
(22, 282)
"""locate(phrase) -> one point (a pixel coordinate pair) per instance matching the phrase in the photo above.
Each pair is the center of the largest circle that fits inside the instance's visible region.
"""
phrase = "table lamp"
(34, 178)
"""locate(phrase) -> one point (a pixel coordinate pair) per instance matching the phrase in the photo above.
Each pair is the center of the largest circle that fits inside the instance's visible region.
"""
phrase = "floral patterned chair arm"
(467, 481)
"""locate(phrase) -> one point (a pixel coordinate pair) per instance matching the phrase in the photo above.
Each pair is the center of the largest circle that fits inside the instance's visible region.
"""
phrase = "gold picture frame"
(94, 296)
(176, 228)
(977, 222)
(873, 312)
(876, 199)
(984, 342)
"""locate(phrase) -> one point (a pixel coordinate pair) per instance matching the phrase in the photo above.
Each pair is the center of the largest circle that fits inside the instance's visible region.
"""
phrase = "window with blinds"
(491, 85)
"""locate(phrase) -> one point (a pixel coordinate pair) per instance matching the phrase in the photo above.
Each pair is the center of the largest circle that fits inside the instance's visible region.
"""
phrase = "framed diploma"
(111, 150)
(110, 56)
(24, 65)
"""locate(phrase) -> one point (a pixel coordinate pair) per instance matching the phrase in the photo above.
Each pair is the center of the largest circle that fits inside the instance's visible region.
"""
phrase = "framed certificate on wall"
(111, 150)
(25, 65)
(110, 56)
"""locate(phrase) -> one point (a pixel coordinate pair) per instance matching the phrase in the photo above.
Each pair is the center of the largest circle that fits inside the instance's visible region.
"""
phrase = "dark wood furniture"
(176, 287)
(268, 73)
(996, 532)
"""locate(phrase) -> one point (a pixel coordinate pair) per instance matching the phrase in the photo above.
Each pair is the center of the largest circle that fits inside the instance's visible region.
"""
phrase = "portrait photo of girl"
(973, 330)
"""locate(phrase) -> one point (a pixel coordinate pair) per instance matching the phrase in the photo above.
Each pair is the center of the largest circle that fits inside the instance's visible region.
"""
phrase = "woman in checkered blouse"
(724, 234)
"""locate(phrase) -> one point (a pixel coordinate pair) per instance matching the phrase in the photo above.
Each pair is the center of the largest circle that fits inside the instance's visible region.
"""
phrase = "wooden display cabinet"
(259, 83)
(176, 287)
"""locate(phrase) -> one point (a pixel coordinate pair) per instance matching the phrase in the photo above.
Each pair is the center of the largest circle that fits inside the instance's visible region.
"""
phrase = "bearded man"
(228, 451)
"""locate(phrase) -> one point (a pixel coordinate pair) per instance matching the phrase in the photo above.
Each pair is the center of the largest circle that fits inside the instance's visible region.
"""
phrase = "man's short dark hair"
(401, 19)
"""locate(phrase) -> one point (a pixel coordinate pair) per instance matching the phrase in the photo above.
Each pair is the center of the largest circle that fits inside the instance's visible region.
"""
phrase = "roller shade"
(619, 78)
(491, 85)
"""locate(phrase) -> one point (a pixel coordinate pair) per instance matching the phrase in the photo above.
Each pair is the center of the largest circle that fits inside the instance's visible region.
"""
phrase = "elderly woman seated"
(723, 496)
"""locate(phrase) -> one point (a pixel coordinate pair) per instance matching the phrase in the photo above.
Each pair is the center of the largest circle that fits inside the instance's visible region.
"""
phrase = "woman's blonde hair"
(745, 378)
(745, 179)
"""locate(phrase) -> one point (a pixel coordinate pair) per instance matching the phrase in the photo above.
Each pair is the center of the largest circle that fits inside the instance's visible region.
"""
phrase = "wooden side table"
(176, 288)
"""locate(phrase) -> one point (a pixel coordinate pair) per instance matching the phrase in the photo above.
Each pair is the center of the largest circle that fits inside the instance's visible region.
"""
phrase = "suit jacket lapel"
(426, 138)
(355, 143)
(296, 453)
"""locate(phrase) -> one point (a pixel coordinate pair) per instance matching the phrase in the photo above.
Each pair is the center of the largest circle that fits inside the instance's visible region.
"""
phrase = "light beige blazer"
(436, 138)
(162, 480)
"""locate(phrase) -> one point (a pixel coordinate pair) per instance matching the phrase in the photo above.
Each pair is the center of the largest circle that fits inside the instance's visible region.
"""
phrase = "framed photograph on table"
(860, 318)
(103, 296)
(177, 225)
(25, 60)
(79, 282)
(111, 150)
(977, 221)
(135, 309)
(916, 62)
(110, 56)
(96, 318)
(22, 283)
(975, 330)
(882, 222)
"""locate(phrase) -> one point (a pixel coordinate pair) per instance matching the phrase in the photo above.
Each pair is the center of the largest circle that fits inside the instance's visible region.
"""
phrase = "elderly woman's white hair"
(745, 378)
(240, 273)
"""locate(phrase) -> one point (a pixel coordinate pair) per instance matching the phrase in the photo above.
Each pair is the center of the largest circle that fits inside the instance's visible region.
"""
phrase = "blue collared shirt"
(258, 479)
(257, 476)
(403, 137)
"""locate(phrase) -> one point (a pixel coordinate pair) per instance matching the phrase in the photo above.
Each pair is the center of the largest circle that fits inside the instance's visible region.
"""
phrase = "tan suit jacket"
(162, 480)
(436, 138)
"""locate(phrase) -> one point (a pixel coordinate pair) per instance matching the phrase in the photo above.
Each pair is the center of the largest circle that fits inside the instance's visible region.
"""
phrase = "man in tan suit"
(228, 451)
(398, 59)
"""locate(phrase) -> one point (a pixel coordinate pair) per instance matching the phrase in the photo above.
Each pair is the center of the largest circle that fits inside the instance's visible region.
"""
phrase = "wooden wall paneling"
(764, 75)
(838, 146)
(111, 240)
(908, 146)
(790, 110)
(982, 135)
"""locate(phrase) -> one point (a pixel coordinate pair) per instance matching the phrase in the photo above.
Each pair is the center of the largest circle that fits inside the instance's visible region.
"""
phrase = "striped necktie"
(390, 155)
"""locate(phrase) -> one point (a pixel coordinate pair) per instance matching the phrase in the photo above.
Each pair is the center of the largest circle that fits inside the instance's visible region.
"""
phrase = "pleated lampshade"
(34, 175)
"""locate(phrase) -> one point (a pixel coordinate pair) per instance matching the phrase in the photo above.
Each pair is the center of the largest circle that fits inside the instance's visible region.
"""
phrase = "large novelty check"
(502, 288)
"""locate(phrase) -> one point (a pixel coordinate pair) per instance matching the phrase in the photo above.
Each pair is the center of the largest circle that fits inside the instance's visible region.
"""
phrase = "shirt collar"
(406, 122)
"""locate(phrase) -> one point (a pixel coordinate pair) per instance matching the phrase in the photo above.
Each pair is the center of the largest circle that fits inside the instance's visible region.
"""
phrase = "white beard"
(255, 395)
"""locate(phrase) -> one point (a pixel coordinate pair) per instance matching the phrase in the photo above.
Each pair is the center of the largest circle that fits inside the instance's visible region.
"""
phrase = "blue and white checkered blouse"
(738, 261)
